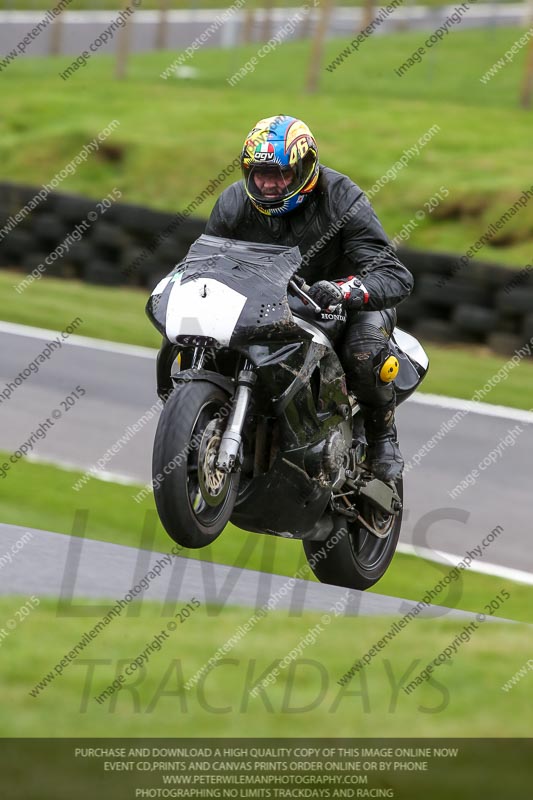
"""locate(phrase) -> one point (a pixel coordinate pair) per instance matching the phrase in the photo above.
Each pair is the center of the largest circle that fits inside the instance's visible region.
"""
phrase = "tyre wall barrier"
(131, 245)
(68, 236)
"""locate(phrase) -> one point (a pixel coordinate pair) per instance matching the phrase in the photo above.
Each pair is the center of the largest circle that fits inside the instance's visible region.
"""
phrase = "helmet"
(279, 163)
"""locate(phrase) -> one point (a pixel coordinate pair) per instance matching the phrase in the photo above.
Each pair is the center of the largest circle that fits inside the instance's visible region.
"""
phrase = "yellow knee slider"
(389, 369)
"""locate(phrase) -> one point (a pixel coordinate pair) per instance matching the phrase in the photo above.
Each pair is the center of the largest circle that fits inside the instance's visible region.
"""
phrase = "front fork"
(231, 441)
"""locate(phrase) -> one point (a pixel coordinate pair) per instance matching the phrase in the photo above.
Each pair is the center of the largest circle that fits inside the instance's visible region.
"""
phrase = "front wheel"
(352, 556)
(194, 499)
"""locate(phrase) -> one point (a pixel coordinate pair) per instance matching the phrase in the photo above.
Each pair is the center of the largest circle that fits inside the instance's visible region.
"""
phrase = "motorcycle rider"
(287, 198)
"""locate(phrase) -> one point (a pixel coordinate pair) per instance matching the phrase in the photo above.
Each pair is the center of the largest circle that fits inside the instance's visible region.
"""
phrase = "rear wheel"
(194, 499)
(352, 556)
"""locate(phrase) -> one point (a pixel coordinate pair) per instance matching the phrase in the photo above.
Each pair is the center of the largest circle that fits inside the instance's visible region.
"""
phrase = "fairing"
(231, 293)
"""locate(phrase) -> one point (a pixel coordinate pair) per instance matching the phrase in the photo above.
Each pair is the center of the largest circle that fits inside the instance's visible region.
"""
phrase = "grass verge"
(113, 516)
(175, 136)
(461, 698)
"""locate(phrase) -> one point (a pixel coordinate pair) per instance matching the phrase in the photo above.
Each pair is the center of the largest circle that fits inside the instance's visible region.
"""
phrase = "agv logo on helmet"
(264, 153)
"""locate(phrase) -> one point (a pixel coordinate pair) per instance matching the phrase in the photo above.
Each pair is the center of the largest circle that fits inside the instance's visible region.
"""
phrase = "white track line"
(451, 559)
(99, 475)
(15, 329)
(473, 407)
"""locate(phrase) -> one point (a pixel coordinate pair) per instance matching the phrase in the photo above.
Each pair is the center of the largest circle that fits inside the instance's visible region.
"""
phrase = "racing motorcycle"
(258, 427)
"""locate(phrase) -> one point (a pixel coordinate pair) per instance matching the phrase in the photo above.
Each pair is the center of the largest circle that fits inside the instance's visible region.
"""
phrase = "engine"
(328, 460)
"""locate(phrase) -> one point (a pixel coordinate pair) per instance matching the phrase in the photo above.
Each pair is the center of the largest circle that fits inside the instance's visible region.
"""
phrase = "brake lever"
(301, 292)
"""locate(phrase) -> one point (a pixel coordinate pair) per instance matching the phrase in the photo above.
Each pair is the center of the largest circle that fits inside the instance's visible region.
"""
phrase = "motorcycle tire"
(352, 556)
(194, 500)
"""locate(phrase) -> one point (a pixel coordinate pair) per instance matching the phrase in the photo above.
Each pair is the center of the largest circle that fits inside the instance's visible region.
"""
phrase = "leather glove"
(349, 291)
(326, 294)
(354, 292)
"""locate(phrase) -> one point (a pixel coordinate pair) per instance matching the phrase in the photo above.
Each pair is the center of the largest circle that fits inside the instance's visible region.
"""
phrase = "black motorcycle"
(259, 427)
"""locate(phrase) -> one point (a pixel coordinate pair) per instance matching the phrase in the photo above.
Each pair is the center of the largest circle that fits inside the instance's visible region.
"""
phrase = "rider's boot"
(383, 451)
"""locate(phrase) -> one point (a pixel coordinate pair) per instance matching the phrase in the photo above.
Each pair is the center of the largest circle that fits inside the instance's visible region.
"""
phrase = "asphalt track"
(120, 389)
(67, 567)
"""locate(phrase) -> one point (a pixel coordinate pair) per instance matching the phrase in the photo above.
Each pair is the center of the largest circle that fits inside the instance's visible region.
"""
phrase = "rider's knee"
(364, 350)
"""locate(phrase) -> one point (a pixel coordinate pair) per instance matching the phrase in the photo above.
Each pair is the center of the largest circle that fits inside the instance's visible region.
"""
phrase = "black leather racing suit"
(338, 235)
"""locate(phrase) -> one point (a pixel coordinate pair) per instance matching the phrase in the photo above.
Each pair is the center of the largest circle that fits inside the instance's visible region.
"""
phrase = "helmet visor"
(272, 184)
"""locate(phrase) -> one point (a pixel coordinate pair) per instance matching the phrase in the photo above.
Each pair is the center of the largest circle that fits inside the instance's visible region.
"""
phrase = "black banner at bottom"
(126, 769)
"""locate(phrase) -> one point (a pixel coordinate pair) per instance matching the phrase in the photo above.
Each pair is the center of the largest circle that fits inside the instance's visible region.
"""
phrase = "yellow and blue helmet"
(279, 163)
